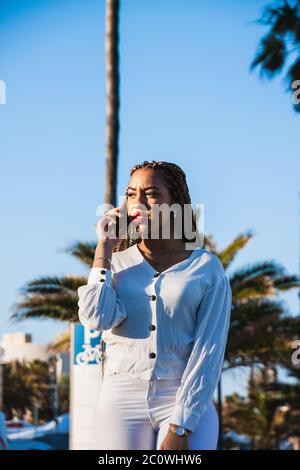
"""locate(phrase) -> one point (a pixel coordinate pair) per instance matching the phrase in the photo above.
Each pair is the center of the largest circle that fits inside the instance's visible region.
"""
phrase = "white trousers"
(134, 414)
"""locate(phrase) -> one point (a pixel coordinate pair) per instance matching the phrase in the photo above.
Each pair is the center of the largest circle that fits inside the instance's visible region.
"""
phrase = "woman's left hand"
(173, 442)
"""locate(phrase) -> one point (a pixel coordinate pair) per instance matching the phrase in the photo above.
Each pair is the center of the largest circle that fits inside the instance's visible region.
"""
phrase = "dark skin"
(161, 253)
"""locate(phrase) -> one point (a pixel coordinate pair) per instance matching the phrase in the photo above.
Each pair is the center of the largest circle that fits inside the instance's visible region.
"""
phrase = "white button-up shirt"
(169, 324)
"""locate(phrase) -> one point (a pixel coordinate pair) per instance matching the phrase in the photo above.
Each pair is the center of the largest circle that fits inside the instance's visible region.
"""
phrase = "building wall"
(19, 346)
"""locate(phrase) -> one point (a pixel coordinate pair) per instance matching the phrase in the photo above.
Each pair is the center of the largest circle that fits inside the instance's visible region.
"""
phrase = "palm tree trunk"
(112, 99)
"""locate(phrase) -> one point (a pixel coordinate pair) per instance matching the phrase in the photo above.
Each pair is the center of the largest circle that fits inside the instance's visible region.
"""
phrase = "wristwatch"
(179, 430)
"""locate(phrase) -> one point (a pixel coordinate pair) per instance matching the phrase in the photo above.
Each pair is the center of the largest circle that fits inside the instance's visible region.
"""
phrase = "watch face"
(180, 431)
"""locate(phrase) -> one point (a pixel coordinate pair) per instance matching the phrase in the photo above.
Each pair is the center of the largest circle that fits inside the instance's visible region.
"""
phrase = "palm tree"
(61, 343)
(268, 415)
(288, 393)
(49, 297)
(261, 331)
(26, 383)
(281, 45)
(112, 99)
(16, 393)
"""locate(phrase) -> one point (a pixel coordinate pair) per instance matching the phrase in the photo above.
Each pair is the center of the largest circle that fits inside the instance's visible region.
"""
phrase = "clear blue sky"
(187, 96)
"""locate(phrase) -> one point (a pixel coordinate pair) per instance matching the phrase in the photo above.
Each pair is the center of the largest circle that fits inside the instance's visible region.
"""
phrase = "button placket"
(153, 325)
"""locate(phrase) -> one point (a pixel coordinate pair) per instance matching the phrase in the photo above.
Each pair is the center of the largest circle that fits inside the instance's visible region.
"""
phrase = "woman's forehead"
(146, 178)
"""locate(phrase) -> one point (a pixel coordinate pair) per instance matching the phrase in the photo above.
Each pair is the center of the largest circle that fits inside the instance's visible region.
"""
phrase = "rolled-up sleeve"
(99, 307)
(204, 367)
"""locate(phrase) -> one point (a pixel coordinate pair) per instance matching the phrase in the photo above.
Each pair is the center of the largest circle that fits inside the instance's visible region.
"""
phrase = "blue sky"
(187, 96)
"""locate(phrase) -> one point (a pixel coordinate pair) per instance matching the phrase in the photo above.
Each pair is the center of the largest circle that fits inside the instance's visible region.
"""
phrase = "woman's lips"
(139, 217)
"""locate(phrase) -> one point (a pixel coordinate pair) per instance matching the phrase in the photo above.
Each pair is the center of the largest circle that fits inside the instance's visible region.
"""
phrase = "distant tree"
(281, 44)
(64, 394)
(269, 414)
(16, 391)
(25, 383)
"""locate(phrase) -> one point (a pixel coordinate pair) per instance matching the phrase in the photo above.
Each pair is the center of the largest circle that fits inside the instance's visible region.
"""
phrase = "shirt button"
(152, 327)
(152, 355)
(153, 297)
(102, 271)
(102, 280)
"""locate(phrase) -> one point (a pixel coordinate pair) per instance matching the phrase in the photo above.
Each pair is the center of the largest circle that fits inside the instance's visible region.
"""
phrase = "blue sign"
(86, 345)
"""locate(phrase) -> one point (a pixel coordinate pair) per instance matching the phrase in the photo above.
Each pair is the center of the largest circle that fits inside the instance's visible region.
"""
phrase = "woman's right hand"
(106, 226)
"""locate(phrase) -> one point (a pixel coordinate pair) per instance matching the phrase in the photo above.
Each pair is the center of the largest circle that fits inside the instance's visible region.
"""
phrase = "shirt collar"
(139, 258)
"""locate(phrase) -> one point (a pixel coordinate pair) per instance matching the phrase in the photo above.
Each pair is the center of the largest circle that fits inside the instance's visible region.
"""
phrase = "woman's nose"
(138, 208)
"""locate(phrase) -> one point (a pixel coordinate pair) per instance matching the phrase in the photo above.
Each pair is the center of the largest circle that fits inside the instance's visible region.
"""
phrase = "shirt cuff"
(186, 418)
(99, 275)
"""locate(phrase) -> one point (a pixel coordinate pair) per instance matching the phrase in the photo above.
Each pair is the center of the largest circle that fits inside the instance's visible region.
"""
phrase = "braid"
(102, 356)
(175, 181)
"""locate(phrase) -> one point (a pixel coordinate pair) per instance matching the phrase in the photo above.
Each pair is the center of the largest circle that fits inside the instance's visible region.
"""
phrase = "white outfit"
(134, 414)
(168, 325)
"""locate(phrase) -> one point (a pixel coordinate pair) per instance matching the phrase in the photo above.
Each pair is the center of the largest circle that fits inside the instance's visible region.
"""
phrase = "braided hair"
(175, 180)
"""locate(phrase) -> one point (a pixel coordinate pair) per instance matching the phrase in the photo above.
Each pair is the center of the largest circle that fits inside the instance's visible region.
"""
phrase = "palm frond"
(53, 284)
(84, 251)
(61, 306)
(286, 282)
(271, 55)
(61, 343)
(260, 274)
(228, 254)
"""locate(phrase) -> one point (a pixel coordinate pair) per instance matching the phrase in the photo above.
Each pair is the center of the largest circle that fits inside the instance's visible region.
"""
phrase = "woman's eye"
(148, 194)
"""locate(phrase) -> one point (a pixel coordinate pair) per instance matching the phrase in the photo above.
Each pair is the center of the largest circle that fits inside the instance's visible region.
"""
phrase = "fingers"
(108, 220)
(111, 215)
(116, 211)
(122, 208)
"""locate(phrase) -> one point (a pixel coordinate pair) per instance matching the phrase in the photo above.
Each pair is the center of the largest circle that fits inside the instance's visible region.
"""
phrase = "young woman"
(164, 313)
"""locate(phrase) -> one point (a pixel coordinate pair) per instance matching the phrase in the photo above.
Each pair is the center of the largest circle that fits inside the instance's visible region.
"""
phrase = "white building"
(19, 346)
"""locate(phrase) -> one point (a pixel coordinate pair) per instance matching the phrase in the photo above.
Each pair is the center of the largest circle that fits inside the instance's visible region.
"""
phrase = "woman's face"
(145, 189)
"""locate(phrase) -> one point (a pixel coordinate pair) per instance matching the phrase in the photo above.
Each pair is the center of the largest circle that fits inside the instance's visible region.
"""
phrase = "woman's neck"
(161, 246)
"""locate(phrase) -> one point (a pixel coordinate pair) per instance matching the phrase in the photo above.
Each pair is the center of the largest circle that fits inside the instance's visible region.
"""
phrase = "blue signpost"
(86, 381)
